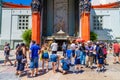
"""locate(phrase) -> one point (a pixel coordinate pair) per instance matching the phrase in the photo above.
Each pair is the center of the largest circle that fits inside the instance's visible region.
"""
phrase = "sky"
(24, 2)
(27, 2)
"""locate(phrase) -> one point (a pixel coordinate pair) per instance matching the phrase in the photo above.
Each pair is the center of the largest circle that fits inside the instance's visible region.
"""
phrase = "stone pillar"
(36, 21)
(84, 10)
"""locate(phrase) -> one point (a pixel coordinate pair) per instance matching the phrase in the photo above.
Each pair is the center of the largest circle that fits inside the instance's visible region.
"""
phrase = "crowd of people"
(78, 55)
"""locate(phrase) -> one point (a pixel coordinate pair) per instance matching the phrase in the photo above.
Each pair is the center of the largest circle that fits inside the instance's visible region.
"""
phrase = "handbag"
(24, 60)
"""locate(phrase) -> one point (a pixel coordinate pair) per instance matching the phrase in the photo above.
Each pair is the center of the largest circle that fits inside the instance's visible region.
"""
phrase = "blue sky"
(24, 2)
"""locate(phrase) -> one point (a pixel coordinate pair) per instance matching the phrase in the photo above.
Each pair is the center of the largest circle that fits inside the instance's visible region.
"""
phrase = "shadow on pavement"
(2, 61)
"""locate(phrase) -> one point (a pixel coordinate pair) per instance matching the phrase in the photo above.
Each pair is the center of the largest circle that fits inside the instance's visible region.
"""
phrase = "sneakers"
(118, 62)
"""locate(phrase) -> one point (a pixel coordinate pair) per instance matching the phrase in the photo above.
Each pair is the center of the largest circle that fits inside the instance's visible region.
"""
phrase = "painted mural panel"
(60, 15)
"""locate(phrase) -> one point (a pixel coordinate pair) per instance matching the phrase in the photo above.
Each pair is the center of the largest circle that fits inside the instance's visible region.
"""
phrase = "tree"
(26, 36)
(93, 36)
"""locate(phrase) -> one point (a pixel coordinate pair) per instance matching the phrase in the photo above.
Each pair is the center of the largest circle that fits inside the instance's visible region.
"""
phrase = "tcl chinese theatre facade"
(60, 20)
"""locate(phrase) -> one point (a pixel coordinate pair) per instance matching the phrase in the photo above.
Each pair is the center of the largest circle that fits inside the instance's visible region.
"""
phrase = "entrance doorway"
(60, 43)
(60, 14)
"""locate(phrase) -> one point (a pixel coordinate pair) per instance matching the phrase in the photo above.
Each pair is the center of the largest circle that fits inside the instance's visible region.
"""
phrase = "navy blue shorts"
(101, 61)
(77, 61)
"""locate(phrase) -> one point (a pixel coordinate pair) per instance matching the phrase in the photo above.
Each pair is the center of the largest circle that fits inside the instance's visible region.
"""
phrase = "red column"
(36, 26)
(85, 26)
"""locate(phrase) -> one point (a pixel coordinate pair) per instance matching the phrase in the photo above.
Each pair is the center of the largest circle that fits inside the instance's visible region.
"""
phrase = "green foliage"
(26, 36)
(93, 36)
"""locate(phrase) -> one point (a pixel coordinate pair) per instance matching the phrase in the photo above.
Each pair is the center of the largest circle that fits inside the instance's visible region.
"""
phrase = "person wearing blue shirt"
(64, 65)
(78, 55)
(69, 54)
(34, 58)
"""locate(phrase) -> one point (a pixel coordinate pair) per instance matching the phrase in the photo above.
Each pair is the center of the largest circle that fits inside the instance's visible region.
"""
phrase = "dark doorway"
(70, 23)
(60, 42)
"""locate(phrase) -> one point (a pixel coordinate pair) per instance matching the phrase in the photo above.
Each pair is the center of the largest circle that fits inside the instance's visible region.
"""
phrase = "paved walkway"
(112, 73)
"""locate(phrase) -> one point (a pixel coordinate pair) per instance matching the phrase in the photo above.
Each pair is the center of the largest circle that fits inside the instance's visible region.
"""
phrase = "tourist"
(54, 47)
(89, 57)
(83, 54)
(17, 46)
(116, 52)
(94, 53)
(7, 54)
(100, 57)
(54, 58)
(64, 48)
(105, 54)
(45, 58)
(73, 47)
(34, 58)
(78, 54)
(64, 65)
(21, 59)
(69, 53)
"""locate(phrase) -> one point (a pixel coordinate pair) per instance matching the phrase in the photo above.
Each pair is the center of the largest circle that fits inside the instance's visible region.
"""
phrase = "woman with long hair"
(21, 58)
(45, 57)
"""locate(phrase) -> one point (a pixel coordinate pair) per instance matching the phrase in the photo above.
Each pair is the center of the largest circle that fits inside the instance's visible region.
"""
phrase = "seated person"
(64, 65)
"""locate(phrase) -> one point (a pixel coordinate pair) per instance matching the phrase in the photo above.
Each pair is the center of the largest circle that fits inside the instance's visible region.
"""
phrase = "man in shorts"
(116, 52)
(34, 58)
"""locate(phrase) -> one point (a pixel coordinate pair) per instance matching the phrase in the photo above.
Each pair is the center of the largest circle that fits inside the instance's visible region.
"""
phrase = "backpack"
(19, 56)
